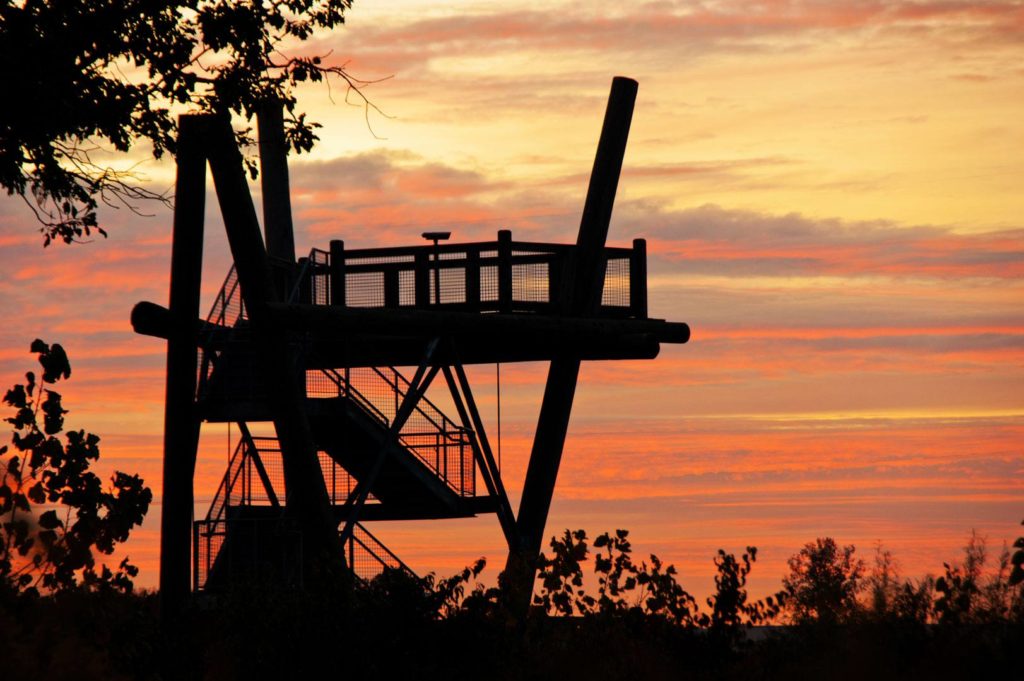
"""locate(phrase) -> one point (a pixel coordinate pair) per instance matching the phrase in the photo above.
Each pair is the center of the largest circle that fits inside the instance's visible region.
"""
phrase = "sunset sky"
(831, 194)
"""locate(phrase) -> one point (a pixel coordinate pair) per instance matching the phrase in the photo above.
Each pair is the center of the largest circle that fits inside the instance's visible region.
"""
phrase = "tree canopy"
(87, 76)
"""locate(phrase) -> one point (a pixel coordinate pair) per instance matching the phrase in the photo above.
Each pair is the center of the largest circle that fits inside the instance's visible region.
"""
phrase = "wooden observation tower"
(310, 345)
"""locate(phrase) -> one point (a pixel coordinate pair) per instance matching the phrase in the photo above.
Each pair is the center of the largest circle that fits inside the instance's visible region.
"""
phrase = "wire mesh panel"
(530, 282)
(453, 285)
(368, 557)
(269, 452)
(323, 383)
(489, 284)
(364, 289)
(407, 288)
(339, 482)
(616, 283)
(209, 539)
(228, 310)
(320, 289)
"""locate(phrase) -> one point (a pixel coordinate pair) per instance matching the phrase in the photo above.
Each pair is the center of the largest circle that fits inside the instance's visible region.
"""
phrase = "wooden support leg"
(277, 207)
(541, 475)
(181, 425)
(581, 296)
(307, 497)
(470, 417)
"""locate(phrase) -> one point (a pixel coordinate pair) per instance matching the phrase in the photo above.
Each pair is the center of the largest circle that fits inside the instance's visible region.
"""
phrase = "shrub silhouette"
(54, 550)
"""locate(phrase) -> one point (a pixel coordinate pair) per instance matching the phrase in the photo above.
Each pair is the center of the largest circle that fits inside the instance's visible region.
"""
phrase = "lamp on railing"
(437, 237)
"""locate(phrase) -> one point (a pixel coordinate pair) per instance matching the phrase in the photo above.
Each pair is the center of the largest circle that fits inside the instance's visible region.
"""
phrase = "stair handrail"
(217, 318)
(396, 562)
(345, 389)
(456, 434)
(218, 507)
(423, 399)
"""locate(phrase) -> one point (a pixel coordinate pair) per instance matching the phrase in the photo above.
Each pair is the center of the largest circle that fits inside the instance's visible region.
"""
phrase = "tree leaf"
(49, 520)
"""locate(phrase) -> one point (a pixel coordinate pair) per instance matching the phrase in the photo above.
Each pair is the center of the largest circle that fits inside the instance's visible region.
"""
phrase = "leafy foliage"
(625, 588)
(966, 596)
(823, 582)
(729, 606)
(561, 577)
(53, 549)
(85, 74)
(1017, 573)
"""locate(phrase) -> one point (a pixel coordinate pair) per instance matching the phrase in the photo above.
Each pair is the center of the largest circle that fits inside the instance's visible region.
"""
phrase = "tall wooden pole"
(581, 296)
(277, 206)
(181, 423)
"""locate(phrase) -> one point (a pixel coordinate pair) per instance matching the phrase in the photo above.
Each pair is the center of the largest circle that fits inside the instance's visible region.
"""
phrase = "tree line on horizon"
(63, 610)
(55, 550)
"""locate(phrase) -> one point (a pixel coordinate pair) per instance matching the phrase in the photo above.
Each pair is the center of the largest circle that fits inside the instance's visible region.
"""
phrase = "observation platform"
(494, 301)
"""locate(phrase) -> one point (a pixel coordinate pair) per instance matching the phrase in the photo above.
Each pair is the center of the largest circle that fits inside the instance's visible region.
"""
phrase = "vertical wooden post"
(581, 294)
(505, 270)
(638, 279)
(277, 205)
(306, 283)
(421, 278)
(181, 424)
(556, 271)
(337, 272)
(391, 288)
(473, 280)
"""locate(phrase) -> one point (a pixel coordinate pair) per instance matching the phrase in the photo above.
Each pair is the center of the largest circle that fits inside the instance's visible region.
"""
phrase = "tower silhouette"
(312, 345)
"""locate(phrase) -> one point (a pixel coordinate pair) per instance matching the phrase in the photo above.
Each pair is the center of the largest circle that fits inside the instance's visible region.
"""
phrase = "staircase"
(245, 534)
(428, 470)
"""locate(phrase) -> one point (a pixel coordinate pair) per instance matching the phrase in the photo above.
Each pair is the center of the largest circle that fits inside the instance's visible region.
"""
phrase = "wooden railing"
(494, 276)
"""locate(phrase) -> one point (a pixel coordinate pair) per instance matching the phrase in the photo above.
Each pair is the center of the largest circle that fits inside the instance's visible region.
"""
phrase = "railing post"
(504, 270)
(337, 272)
(195, 556)
(638, 279)
(306, 282)
(421, 277)
(555, 269)
(391, 299)
(473, 280)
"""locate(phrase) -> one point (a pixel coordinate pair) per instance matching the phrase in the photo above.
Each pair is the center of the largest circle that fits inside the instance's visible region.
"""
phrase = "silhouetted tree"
(960, 587)
(823, 582)
(891, 598)
(561, 577)
(81, 74)
(966, 593)
(730, 606)
(53, 549)
(1017, 572)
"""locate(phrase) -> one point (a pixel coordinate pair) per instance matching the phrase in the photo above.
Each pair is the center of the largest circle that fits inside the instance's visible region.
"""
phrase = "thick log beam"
(277, 204)
(181, 423)
(351, 337)
(426, 323)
